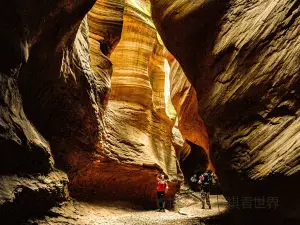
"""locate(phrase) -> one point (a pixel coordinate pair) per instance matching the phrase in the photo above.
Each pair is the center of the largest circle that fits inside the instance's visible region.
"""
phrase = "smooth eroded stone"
(137, 145)
(105, 21)
(130, 80)
(184, 99)
(136, 140)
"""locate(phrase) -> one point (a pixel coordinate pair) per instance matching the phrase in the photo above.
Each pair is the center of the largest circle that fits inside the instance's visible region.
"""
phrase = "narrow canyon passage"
(138, 118)
(99, 96)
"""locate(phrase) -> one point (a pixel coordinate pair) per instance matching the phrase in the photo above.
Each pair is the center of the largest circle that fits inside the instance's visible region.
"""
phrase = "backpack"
(205, 183)
(207, 178)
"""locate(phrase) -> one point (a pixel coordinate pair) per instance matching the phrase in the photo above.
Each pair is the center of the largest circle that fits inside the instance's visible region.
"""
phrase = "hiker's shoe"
(163, 210)
(209, 207)
(203, 207)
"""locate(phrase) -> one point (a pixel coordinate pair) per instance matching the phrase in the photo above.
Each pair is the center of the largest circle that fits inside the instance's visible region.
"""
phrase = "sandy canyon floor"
(187, 211)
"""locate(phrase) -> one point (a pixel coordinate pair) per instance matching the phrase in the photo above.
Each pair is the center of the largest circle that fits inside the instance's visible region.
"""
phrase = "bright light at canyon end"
(170, 110)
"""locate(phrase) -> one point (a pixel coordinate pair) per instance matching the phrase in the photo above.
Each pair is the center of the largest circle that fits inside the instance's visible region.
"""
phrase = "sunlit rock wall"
(242, 58)
(130, 81)
(189, 122)
(184, 99)
(157, 77)
(136, 141)
(105, 21)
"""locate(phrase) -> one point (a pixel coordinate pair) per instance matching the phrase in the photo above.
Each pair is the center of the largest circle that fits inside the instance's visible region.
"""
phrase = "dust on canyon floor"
(187, 211)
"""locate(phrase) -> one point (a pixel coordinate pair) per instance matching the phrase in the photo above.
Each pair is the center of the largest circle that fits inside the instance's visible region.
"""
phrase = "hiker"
(205, 180)
(162, 189)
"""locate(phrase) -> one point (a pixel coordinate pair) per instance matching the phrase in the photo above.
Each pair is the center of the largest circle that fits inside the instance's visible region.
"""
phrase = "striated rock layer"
(136, 132)
(137, 146)
(130, 80)
(105, 21)
(242, 57)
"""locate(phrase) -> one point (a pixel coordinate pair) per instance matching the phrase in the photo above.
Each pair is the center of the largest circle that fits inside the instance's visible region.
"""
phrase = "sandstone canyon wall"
(60, 108)
(184, 99)
(88, 95)
(242, 58)
(190, 123)
(136, 140)
(37, 39)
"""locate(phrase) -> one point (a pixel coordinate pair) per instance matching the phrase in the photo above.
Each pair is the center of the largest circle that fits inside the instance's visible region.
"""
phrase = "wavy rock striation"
(105, 21)
(130, 80)
(136, 133)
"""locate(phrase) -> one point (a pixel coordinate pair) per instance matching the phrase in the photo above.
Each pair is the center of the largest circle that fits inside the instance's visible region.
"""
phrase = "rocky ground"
(187, 211)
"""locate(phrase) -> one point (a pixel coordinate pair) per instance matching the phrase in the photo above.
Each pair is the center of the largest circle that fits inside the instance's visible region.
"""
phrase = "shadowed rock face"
(242, 57)
(62, 95)
(36, 38)
(105, 21)
(195, 163)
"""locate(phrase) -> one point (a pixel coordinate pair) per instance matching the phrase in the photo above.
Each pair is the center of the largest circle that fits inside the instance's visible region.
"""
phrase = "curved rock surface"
(130, 80)
(192, 158)
(105, 21)
(182, 148)
(184, 99)
(158, 71)
(65, 84)
(34, 40)
(242, 57)
(136, 141)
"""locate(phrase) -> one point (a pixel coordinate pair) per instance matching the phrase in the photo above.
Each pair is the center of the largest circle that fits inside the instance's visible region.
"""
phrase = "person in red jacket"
(162, 189)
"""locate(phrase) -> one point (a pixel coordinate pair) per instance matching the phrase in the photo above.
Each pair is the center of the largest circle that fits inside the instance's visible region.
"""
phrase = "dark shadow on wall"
(195, 162)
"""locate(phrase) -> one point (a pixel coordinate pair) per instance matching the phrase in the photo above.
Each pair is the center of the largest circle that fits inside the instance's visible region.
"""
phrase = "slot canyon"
(97, 97)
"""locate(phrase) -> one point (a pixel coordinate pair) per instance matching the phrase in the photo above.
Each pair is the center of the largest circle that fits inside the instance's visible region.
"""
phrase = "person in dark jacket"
(205, 181)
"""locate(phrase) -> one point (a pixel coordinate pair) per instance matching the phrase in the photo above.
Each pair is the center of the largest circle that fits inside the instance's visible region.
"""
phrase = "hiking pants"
(204, 196)
(161, 199)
